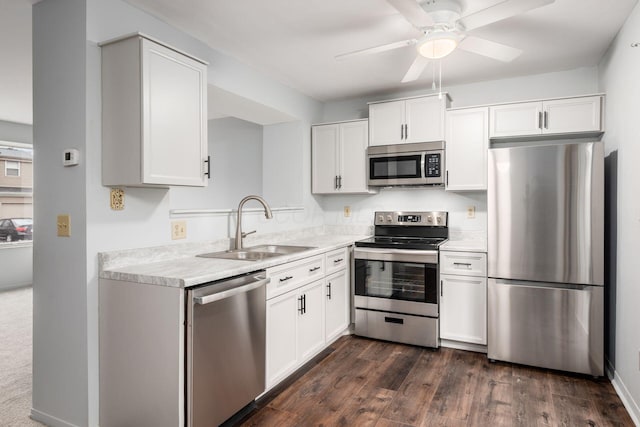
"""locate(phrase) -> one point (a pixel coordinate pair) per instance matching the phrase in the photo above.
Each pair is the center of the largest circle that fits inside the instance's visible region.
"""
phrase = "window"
(11, 168)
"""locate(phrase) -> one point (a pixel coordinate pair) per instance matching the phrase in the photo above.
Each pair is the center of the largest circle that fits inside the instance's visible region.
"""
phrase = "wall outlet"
(178, 230)
(471, 211)
(64, 226)
(347, 211)
(117, 199)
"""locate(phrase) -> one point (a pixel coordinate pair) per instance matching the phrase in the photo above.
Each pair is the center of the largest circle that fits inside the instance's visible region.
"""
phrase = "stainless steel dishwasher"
(225, 347)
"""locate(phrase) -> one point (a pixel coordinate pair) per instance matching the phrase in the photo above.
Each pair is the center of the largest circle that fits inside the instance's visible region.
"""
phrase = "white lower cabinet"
(463, 309)
(312, 312)
(337, 305)
(282, 351)
(463, 297)
(310, 334)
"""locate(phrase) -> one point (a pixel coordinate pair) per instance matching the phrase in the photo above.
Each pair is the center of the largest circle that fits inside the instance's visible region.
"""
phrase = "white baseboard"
(49, 420)
(627, 400)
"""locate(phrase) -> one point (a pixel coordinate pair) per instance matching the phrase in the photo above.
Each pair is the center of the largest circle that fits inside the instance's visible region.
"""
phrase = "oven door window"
(404, 281)
(395, 167)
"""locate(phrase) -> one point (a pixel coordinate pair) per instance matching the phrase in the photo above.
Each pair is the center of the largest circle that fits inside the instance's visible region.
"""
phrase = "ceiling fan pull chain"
(440, 79)
(433, 76)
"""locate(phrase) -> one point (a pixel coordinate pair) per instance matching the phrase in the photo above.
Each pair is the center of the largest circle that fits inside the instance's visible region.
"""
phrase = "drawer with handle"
(463, 263)
(337, 260)
(294, 274)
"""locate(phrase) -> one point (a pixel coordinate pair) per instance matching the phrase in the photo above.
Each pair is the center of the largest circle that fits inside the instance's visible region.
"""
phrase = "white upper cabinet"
(154, 129)
(579, 115)
(338, 156)
(407, 121)
(467, 145)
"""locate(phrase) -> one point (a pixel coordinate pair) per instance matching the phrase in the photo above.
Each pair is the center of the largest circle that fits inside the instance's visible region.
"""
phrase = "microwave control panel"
(432, 165)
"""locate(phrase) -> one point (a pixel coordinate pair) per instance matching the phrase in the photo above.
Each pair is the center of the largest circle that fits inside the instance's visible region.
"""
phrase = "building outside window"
(16, 191)
(11, 168)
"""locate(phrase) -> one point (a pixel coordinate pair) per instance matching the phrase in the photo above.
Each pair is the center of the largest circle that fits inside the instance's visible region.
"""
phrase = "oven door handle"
(401, 255)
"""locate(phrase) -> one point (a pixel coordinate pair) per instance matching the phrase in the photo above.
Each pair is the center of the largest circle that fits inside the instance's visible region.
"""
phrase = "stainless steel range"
(396, 278)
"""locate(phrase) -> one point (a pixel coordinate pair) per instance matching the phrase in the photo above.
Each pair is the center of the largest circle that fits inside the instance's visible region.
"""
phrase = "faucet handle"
(247, 233)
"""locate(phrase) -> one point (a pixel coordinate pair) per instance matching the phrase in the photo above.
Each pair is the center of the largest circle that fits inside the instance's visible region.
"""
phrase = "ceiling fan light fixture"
(437, 45)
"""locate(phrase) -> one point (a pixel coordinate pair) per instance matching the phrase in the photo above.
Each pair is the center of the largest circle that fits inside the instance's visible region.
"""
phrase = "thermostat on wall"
(71, 157)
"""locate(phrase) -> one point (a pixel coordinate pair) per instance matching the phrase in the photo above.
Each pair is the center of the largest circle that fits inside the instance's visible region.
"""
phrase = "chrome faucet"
(239, 234)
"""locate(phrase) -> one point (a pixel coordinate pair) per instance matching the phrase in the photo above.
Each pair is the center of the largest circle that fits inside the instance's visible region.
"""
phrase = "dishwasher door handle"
(217, 296)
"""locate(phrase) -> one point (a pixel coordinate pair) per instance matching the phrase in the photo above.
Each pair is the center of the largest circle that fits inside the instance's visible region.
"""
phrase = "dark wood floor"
(364, 382)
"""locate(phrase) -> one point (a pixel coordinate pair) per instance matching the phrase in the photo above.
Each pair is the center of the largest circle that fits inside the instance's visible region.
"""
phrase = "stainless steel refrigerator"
(546, 256)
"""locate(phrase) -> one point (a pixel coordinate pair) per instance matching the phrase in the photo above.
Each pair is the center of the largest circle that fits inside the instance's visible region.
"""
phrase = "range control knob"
(380, 218)
(430, 219)
(439, 219)
(389, 218)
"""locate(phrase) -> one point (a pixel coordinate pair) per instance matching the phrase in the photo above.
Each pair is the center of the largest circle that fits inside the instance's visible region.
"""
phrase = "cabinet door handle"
(208, 172)
(304, 304)
(311, 270)
(441, 287)
(401, 131)
(447, 179)
(406, 131)
(546, 120)
(284, 279)
(339, 181)
(329, 290)
(300, 307)
(540, 120)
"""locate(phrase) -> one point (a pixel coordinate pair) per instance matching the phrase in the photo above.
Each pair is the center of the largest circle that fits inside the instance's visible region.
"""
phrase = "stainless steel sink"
(257, 253)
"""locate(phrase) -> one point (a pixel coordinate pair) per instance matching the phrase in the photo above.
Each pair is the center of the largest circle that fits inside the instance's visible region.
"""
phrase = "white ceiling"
(295, 43)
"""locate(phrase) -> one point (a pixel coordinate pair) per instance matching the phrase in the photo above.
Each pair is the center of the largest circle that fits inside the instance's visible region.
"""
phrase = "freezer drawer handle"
(207, 299)
(394, 320)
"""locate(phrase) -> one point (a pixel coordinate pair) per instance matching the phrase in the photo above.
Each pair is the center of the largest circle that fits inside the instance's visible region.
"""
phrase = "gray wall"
(619, 72)
(235, 147)
(60, 349)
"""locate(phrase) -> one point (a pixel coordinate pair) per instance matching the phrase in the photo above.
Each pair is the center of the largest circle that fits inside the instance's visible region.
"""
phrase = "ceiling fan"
(445, 29)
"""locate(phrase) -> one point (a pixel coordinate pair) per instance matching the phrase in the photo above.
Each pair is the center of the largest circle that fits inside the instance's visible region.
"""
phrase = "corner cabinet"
(338, 156)
(407, 121)
(467, 145)
(579, 115)
(463, 299)
(154, 115)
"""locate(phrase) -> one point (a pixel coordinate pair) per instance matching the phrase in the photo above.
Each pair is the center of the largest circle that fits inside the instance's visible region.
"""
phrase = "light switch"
(64, 226)
(347, 211)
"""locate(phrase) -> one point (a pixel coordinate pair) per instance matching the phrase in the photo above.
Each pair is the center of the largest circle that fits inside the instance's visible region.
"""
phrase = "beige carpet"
(16, 324)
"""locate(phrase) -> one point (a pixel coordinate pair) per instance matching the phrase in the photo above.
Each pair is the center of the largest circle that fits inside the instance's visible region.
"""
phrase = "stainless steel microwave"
(406, 164)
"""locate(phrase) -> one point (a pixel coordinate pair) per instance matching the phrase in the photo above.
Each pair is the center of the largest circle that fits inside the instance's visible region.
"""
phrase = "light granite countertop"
(464, 245)
(177, 266)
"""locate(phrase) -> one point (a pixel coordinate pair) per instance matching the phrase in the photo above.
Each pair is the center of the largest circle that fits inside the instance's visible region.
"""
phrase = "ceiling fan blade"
(412, 12)
(377, 49)
(500, 11)
(488, 48)
(416, 69)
